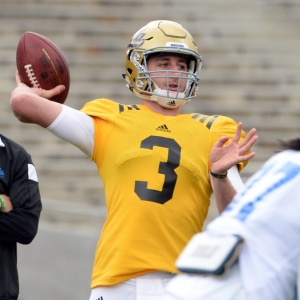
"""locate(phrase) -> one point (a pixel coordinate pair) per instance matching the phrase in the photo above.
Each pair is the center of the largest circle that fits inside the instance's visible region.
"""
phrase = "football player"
(265, 217)
(159, 167)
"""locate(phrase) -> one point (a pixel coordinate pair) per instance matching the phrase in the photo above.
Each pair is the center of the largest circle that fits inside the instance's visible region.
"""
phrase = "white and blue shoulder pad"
(209, 255)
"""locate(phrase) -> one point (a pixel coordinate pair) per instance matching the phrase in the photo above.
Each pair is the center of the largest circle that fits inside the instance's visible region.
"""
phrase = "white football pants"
(150, 286)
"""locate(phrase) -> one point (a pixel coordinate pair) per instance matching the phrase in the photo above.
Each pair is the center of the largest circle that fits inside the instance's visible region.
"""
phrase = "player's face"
(168, 67)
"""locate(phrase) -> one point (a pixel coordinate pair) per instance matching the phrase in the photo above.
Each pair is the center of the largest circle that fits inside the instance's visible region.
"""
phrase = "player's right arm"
(31, 105)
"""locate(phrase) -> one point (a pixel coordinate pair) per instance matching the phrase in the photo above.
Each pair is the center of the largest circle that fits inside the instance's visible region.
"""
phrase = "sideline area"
(57, 264)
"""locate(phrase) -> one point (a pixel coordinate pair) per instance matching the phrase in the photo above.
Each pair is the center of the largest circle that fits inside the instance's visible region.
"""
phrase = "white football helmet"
(159, 37)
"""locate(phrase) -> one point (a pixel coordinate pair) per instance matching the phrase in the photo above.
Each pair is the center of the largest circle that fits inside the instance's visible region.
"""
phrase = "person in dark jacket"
(20, 208)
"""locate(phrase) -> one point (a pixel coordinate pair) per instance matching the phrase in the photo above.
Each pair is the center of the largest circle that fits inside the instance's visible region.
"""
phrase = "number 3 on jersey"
(167, 168)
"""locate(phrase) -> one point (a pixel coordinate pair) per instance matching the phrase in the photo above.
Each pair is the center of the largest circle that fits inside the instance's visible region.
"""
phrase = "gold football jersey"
(155, 174)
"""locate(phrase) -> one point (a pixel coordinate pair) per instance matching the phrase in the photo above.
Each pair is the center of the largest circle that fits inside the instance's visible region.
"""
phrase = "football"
(41, 64)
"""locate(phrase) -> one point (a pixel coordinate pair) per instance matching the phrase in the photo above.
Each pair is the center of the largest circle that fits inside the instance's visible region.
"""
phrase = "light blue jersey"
(267, 215)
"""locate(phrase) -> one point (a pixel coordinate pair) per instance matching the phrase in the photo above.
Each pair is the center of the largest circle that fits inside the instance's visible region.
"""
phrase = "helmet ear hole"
(129, 71)
(129, 53)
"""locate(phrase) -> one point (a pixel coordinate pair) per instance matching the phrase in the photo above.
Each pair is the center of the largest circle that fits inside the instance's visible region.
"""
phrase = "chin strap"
(168, 99)
(163, 101)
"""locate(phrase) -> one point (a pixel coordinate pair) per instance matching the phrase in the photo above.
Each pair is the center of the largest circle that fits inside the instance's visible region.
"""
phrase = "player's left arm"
(225, 157)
